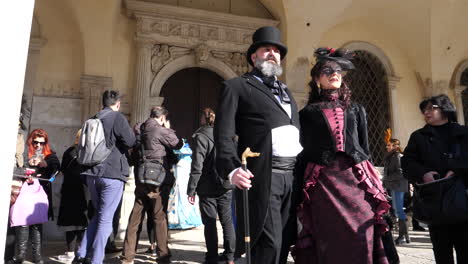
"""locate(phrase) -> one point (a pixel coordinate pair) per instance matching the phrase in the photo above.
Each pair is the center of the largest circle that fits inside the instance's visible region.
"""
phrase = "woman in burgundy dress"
(342, 203)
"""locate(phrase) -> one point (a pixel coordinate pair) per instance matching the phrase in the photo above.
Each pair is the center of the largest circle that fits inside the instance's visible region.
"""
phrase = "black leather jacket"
(204, 178)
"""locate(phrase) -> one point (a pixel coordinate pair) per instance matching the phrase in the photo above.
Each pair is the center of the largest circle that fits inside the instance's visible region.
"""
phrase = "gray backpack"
(92, 148)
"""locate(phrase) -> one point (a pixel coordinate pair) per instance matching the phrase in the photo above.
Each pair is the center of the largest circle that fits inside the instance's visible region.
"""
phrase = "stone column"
(140, 111)
(93, 87)
(13, 56)
(35, 45)
(459, 103)
(392, 87)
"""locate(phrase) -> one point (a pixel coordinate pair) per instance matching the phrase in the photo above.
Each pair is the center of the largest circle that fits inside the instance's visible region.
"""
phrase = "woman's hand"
(34, 161)
(191, 199)
(167, 124)
(42, 164)
(449, 174)
(429, 176)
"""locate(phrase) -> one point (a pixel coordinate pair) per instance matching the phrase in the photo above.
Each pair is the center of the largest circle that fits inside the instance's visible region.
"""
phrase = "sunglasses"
(38, 142)
(329, 71)
(430, 108)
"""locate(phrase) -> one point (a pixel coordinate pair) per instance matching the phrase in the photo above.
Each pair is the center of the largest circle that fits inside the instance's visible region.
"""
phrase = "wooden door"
(185, 94)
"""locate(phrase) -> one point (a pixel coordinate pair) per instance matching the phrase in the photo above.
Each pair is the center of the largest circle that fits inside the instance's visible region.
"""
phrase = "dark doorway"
(185, 94)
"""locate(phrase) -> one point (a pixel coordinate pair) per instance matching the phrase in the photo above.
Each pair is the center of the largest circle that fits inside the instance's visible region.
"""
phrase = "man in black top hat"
(260, 110)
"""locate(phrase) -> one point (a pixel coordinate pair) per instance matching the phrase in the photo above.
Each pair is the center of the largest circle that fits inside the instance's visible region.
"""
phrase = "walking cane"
(247, 154)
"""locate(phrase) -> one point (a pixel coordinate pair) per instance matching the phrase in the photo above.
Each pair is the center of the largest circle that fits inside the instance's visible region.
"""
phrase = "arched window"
(369, 86)
(464, 94)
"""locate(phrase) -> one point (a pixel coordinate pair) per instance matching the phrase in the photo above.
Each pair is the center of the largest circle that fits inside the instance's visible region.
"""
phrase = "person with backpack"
(156, 140)
(104, 142)
(214, 192)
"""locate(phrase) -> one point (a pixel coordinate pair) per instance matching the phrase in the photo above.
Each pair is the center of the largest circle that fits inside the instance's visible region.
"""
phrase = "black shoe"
(418, 228)
(113, 249)
(401, 241)
(151, 251)
(164, 259)
(80, 260)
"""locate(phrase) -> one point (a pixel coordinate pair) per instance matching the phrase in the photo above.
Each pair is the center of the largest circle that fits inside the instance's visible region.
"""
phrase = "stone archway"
(392, 79)
(374, 70)
(459, 84)
(188, 61)
(170, 38)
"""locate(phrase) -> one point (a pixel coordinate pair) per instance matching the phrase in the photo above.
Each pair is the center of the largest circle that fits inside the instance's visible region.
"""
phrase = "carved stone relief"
(59, 88)
(92, 88)
(194, 30)
(167, 34)
(162, 54)
(235, 60)
(202, 53)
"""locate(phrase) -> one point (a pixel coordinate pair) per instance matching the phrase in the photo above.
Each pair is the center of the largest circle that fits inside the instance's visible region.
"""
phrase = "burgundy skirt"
(340, 219)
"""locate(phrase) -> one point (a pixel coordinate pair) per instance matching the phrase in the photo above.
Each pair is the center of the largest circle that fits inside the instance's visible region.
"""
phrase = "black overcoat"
(73, 203)
(247, 108)
(427, 152)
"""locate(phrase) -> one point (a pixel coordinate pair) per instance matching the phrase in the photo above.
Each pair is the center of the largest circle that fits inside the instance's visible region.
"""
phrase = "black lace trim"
(326, 105)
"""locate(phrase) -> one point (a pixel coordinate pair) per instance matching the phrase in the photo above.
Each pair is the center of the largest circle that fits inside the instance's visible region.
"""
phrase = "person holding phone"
(440, 150)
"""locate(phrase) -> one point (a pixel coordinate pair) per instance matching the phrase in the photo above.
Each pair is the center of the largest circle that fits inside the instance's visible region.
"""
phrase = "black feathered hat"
(341, 56)
(266, 36)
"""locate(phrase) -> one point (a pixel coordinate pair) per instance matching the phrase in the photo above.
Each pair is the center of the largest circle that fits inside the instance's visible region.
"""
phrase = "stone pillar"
(92, 88)
(141, 95)
(459, 103)
(35, 45)
(392, 87)
(13, 56)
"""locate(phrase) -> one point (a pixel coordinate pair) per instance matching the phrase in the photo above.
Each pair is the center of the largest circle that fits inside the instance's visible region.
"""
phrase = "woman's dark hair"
(158, 111)
(208, 116)
(110, 97)
(446, 106)
(327, 57)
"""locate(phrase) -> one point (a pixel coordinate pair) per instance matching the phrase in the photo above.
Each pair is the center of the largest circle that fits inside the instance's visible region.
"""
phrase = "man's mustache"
(272, 58)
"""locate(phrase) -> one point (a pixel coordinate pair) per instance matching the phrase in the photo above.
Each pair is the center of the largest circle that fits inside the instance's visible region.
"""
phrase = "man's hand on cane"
(241, 179)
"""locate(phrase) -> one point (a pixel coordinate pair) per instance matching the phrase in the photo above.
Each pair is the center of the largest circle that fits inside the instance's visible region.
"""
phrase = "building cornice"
(137, 8)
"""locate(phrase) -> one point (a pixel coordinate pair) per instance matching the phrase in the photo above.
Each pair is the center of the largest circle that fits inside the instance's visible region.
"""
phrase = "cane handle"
(248, 154)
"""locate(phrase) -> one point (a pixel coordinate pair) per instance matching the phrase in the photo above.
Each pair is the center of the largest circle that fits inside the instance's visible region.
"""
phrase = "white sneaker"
(68, 256)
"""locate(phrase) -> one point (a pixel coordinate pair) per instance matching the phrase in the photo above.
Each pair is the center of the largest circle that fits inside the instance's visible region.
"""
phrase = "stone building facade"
(78, 49)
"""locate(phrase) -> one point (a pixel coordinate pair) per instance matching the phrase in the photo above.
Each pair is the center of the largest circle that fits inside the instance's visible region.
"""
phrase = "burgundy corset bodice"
(335, 119)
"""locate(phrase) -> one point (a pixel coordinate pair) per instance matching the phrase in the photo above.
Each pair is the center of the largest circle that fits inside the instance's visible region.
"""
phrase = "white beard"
(268, 69)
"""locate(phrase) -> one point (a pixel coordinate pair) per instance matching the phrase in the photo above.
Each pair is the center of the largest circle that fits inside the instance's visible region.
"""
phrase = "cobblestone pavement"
(187, 247)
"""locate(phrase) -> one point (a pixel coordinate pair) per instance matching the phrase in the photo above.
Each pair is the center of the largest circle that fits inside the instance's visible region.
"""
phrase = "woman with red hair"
(45, 162)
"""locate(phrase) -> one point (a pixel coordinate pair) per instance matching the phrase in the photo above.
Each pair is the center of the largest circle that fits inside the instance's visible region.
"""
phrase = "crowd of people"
(314, 176)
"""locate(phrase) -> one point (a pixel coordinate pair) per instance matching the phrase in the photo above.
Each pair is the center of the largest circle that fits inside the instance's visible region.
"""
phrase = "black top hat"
(266, 36)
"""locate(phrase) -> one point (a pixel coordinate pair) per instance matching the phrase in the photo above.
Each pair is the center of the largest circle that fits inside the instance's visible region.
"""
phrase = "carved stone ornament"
(235, 60)
(163, 54)
(189, 27)
(202, 53)
(165, 33)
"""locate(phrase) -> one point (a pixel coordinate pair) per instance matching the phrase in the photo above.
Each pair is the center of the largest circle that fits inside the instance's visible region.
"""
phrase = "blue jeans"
(105, 195)
(397, 203)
